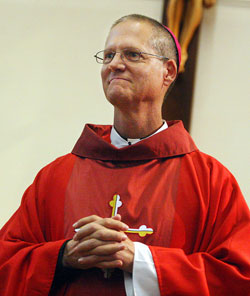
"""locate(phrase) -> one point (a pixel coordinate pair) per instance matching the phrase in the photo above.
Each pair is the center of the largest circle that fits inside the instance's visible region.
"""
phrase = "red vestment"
(200, 221)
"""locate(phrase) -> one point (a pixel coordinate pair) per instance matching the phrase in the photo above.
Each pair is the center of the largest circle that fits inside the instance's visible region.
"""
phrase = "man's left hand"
(125, 255)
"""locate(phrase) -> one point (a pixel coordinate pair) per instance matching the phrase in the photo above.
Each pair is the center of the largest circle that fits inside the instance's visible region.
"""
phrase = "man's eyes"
(131, 54)
(109, 55)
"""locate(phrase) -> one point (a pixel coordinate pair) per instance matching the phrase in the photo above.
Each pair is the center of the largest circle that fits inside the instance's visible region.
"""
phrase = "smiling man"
(136, 208)
(135, 83)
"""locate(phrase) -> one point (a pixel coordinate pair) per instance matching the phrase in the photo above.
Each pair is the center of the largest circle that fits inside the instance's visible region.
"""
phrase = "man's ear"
(170, 72)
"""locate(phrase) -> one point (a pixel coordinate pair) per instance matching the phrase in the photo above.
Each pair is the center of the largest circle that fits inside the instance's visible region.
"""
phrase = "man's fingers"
(100, 262)
(103, 249)
(113, 223)
(86, 220)
(110, 264)
(87, 230)
(90, 244)
(101, 235)
(107, 229)
(117, 217)
(94, 260)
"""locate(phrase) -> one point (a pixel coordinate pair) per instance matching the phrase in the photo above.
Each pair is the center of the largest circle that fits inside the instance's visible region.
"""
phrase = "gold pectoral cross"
(115, 204)
(142, 231)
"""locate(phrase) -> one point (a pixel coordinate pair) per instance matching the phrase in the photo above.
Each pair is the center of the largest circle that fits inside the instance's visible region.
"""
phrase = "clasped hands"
(100, 242)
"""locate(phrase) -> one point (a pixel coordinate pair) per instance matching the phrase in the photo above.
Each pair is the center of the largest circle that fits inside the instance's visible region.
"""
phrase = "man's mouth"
(117, 78)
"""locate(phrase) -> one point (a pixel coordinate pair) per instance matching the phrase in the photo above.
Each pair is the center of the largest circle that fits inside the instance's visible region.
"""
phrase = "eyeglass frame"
(122, 55)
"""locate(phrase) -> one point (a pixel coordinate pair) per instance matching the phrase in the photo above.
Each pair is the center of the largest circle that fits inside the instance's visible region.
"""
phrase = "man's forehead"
(132, 26)
(129, 33)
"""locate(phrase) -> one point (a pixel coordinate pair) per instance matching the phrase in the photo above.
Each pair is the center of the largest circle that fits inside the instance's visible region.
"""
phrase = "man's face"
(127, 83)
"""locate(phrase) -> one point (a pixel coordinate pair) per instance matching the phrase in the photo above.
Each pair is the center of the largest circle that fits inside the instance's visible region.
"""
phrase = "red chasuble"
(180, 202)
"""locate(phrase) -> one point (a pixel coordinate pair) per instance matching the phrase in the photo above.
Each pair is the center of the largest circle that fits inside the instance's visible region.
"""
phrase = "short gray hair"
(162, 41)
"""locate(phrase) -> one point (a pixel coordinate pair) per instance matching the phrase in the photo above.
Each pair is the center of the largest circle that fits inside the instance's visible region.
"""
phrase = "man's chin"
(117, 97)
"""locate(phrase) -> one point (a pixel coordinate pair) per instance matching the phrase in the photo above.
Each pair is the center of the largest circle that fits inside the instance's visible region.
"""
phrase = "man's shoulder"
(58, 167)
(206, 164)
(203, 158)
(63, 160)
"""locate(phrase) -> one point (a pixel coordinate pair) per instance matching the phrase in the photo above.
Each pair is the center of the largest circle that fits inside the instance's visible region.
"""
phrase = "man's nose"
(117, 62)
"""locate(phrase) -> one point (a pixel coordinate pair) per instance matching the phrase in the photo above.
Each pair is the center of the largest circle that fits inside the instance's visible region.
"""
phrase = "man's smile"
(117, 78)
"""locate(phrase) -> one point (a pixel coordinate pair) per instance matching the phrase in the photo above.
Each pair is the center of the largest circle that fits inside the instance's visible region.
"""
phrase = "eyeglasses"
(127, 54)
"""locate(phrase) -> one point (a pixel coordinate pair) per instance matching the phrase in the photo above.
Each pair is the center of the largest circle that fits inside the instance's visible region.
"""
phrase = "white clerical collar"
(120, 142)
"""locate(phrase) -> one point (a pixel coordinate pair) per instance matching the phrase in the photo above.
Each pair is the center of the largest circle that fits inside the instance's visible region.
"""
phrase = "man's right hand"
(96, 243)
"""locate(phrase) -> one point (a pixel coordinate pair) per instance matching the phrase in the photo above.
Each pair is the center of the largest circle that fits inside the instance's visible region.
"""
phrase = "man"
(151, 214)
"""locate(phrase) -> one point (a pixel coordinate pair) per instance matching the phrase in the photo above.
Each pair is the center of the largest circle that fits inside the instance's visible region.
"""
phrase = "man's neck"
(135, 125)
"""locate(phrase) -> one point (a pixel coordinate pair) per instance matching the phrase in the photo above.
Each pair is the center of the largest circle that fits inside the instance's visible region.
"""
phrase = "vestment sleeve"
(144, 273)
(28, 250)
(220, 265)
(143, 280)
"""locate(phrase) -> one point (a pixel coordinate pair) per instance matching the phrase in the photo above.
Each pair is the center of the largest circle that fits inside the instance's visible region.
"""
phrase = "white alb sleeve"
(143, 280)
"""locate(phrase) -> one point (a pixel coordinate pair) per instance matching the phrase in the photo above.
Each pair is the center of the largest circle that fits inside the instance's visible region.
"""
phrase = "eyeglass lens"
(106, 56)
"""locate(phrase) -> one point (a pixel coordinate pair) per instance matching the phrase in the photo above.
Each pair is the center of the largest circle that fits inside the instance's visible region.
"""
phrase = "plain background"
(50, 84)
